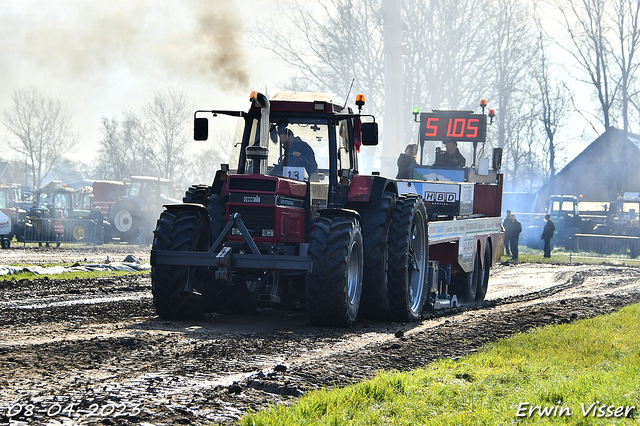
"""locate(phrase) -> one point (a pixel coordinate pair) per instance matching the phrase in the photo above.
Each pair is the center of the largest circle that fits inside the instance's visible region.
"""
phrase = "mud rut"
(97, 349)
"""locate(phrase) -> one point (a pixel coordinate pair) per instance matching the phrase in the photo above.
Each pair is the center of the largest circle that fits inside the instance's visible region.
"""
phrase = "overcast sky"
(100, 57)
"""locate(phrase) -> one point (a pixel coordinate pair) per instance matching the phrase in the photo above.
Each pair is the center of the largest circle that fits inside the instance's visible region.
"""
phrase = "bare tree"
(165, 128)
(123, 149)
(586, 25)
(43, 128)
(446, 53)
(554, 105)
(626, 18)
(513, 47)
(330, 44)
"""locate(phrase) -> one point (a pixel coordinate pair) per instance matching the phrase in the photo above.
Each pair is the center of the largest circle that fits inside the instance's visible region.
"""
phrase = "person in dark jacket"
(515, 228)
(505, 225)
(98, 218)
(547, 234)
(451, 156)
(296, 153)
(406, 161)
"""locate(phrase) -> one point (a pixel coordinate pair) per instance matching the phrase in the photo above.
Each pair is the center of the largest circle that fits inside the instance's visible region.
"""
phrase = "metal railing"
(56, 231)
(613, 247)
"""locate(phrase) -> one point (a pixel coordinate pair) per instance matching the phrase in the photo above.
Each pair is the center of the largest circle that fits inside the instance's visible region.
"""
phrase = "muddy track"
(71, 349)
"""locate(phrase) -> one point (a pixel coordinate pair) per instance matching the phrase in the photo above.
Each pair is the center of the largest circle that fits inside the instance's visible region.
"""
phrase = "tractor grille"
(266, 185)
(255, 218)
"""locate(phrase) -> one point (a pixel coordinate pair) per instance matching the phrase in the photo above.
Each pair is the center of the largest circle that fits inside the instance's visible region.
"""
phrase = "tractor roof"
(304, 102)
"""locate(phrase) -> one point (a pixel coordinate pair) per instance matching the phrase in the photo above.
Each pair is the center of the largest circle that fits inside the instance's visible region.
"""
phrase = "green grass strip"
(69, 275)
(584, 373)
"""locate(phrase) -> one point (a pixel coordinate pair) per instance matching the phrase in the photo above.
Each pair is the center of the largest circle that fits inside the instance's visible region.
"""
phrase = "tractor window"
(299, 148)
(3, 200)
(630, 210)
(165, 192)
(342, 135)
(565, 206)
(63, 201)
(134, 189)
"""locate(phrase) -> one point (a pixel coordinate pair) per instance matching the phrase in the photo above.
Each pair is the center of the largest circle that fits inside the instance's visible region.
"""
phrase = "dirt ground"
(94, 352)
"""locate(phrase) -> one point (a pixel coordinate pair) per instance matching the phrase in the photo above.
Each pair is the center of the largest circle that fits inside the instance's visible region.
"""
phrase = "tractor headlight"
(236, 231)
(268, 233)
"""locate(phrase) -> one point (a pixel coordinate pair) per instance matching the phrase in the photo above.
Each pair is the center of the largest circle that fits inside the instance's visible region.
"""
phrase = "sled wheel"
(408, 257)
(180, 230)
(483, 278)
(465, 284)
(334, 285)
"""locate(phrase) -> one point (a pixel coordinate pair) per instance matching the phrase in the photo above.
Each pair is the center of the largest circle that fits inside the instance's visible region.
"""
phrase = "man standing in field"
(547, 234)
(513, 235)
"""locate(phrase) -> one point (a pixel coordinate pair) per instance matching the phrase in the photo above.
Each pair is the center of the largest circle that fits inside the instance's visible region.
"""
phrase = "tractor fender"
(185, 206)
(366, 188)
(338, 212)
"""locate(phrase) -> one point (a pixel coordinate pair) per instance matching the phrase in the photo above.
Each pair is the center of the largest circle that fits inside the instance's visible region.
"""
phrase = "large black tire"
(79, 232)
(180, 230)
(125, 222)
(197, 194)
(376, 221)
(483, 279)
(408, 259)
(465, 285)
(334, 285)
(6, 242)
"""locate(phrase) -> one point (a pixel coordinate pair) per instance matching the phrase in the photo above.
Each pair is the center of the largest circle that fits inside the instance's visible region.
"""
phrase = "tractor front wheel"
(180, 230)
(334, 285)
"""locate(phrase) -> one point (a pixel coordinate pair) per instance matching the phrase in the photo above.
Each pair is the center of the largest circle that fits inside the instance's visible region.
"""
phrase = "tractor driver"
(296, 153)
(451, 156)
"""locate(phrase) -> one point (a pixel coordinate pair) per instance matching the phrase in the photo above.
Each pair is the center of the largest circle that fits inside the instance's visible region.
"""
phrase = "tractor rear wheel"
(408, 259)
(197, 194)
(180, 230)
(376, 221)
(126, 222)
(334, 285)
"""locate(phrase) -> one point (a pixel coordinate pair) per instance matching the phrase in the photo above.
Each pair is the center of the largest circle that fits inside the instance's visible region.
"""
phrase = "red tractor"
(294, 224)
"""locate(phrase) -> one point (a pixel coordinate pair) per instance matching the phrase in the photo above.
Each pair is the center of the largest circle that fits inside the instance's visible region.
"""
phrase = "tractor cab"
(302, 137)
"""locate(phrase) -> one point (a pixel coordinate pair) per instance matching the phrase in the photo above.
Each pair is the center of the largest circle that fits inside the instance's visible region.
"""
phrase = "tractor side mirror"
(200, 129)
(370, 134)
(497, 159)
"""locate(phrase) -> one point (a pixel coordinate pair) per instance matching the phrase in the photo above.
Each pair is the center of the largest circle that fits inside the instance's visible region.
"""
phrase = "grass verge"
(583, 373)
(559, 255)
(69, 275)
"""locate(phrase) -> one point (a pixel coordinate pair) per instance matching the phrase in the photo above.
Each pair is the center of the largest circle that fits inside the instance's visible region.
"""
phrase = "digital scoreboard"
(455, 125)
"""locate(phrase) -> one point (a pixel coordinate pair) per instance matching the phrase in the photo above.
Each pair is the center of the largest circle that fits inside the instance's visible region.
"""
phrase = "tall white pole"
(393, 136)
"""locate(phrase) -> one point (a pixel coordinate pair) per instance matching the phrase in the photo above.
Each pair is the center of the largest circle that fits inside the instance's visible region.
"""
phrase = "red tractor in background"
(141, 203)
(296, 224)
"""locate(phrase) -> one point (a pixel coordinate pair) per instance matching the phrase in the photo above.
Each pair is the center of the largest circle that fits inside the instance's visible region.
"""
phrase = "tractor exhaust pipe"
(257, 154)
